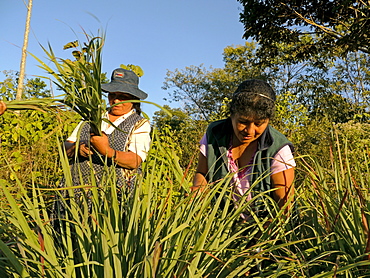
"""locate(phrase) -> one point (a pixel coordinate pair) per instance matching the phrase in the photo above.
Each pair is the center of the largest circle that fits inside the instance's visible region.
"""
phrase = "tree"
(317, 83)
(341, 25)
(163, 119)
(181, 132)
(24, 52)
(202, 91)
(312, 94)
(33, 88)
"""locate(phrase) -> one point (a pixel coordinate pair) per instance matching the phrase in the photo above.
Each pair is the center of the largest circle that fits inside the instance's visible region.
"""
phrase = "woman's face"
(246, 129)
(122, 108)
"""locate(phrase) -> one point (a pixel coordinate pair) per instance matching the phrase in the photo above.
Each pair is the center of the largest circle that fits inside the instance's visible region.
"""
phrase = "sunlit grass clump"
(156, 231)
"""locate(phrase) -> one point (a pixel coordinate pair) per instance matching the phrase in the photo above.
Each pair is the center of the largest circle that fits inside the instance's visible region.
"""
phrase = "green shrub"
(29, 144)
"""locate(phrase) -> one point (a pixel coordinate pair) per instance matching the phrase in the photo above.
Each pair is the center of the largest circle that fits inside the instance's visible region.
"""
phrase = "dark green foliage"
(342, 25)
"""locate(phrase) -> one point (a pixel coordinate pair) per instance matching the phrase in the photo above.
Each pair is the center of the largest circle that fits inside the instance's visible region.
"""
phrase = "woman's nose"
(250, 129)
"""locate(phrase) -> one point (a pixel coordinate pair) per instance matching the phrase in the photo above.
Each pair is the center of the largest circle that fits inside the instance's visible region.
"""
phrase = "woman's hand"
(101, 145)
(128, 159)
(84, 150)
(2, 107)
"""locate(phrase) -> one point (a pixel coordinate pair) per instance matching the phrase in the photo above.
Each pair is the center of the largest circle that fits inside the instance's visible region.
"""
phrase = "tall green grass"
(335, 206)
(158, 232)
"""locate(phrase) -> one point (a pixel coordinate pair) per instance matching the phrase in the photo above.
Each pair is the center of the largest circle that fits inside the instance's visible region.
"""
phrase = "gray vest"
(269, 143)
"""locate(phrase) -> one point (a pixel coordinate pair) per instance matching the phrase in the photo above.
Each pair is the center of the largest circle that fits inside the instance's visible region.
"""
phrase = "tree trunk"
(24, 53)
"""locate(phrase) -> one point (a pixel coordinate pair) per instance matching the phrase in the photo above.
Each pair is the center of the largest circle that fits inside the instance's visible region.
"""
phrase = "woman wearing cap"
(246, 145)
(124, 144)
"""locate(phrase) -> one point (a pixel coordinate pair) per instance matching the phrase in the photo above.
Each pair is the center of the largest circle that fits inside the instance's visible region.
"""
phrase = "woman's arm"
(129, 160)
(200, 181)
(284, 188)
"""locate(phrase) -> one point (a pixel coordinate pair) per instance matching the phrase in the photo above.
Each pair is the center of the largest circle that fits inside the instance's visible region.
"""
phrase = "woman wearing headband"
(247, 146)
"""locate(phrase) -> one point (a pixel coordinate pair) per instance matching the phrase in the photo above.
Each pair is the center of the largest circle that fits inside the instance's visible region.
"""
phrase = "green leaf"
(71, 45)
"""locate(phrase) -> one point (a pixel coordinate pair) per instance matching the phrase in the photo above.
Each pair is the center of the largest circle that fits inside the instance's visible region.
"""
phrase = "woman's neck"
(243, 153)
(112, 117)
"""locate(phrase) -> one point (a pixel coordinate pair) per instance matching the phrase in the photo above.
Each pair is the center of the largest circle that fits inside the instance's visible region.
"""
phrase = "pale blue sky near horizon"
(156, 35)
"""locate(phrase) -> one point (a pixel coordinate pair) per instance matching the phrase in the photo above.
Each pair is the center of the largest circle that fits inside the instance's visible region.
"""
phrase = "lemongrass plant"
(158, 232)
(335, 214)
(80, 80)
(153, 232)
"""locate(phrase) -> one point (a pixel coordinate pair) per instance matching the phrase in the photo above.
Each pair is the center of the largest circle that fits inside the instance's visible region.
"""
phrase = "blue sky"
(157, 35)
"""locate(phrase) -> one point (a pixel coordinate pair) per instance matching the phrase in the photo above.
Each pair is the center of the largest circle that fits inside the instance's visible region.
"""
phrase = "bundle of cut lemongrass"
(41, 104)
(80, 79)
